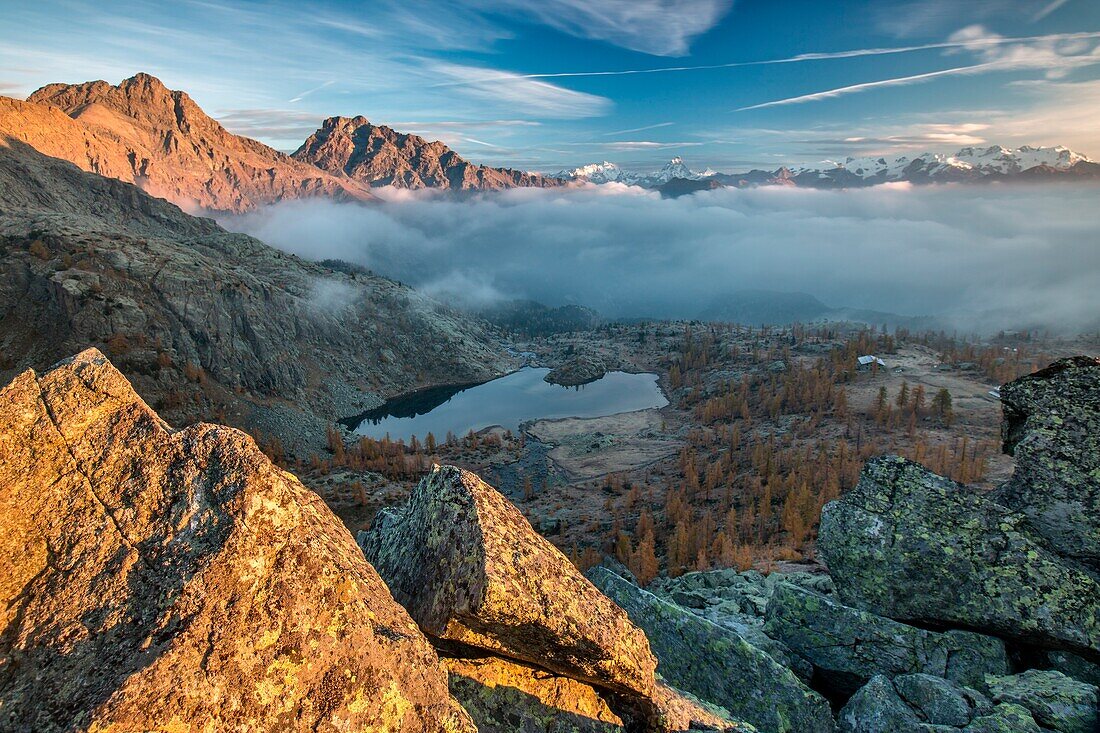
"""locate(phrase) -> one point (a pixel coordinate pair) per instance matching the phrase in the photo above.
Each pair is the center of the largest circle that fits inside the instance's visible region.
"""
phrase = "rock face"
(205, 321)
(161, 579)
(925, 704)
(914, 546)
(1055, 701)
(848, 647)
(503, 696)
(141, 132)
(377, 155)
(1052, 428)
(738, 601)
(717, 665)
(509, 697)
(577, 370)
(470, 569)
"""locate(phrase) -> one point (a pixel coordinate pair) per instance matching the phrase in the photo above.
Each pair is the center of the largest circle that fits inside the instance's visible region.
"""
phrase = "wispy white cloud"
(914, 18)
(854, 88)
(640, 129)
(513, 92)
(628, 145)
(271, 124)
(991, 40)
(307, 92)
(657, 27)
(1055, 55)
(1048, 9)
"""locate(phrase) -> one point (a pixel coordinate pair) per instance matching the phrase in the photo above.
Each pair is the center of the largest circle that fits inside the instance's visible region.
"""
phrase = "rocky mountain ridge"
(141, 132)
(377, 155)
(207, 322)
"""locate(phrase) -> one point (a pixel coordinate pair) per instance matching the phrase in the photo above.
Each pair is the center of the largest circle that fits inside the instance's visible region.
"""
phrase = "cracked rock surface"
(470, 569)
(917, 547)
(155, 579)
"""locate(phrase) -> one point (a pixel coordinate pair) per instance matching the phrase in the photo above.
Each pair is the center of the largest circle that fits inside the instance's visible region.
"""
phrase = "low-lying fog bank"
(984, 257)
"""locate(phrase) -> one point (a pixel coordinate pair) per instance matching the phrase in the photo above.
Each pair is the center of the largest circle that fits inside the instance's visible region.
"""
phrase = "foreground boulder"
(470, 569)
(848, 647)
(717, 665)
(153, 579)
(925, 704)
(1052, 428)
(917, 547)
(1055, 701)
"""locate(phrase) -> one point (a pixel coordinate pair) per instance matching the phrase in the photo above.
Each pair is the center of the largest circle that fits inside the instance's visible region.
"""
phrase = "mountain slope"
(207, 322)
(380, 156)
(142, 132)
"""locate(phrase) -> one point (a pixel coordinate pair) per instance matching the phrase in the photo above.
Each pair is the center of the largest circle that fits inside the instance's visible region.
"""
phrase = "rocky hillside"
(206, 322)
(161, 579)
(380, 156)
(141, 132)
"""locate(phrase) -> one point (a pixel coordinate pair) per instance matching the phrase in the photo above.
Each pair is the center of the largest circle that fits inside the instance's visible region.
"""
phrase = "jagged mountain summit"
(141, 132)
(968, 165)
(377, 155)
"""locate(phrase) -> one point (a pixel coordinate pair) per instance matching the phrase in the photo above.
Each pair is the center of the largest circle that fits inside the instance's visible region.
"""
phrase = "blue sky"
(521, 82)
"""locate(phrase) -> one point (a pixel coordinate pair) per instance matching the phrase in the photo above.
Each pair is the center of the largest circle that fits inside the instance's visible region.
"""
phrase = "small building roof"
(870, 358)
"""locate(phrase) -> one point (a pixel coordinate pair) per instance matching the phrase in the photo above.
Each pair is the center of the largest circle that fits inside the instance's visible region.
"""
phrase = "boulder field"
(154, 578)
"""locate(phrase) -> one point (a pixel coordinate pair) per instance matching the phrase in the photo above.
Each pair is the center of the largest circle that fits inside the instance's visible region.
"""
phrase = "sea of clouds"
(980, 257)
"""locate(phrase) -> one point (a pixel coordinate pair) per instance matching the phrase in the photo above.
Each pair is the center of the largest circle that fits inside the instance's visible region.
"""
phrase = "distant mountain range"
(968, 165)
(159, 139)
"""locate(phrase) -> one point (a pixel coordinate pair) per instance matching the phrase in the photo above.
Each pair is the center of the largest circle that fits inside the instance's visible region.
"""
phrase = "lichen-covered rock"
(153, 579)
(717, 665)
(1005, 718)
(917, 547)
(681, 711)
(737, 601)
(925, 704)
(1073, 665)
(1052, 428)
(848, 646)
(1056, 701)
(940, 702)
(877, 708)
(469, 568)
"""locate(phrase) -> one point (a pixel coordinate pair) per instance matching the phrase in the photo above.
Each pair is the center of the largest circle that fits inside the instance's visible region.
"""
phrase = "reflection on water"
(508, 401)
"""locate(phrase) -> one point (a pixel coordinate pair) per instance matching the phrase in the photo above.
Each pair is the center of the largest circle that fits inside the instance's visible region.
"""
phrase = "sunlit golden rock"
(160, 579)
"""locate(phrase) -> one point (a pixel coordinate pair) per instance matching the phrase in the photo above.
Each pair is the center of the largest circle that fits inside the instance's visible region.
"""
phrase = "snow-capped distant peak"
(605, 172)
(675, 168)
